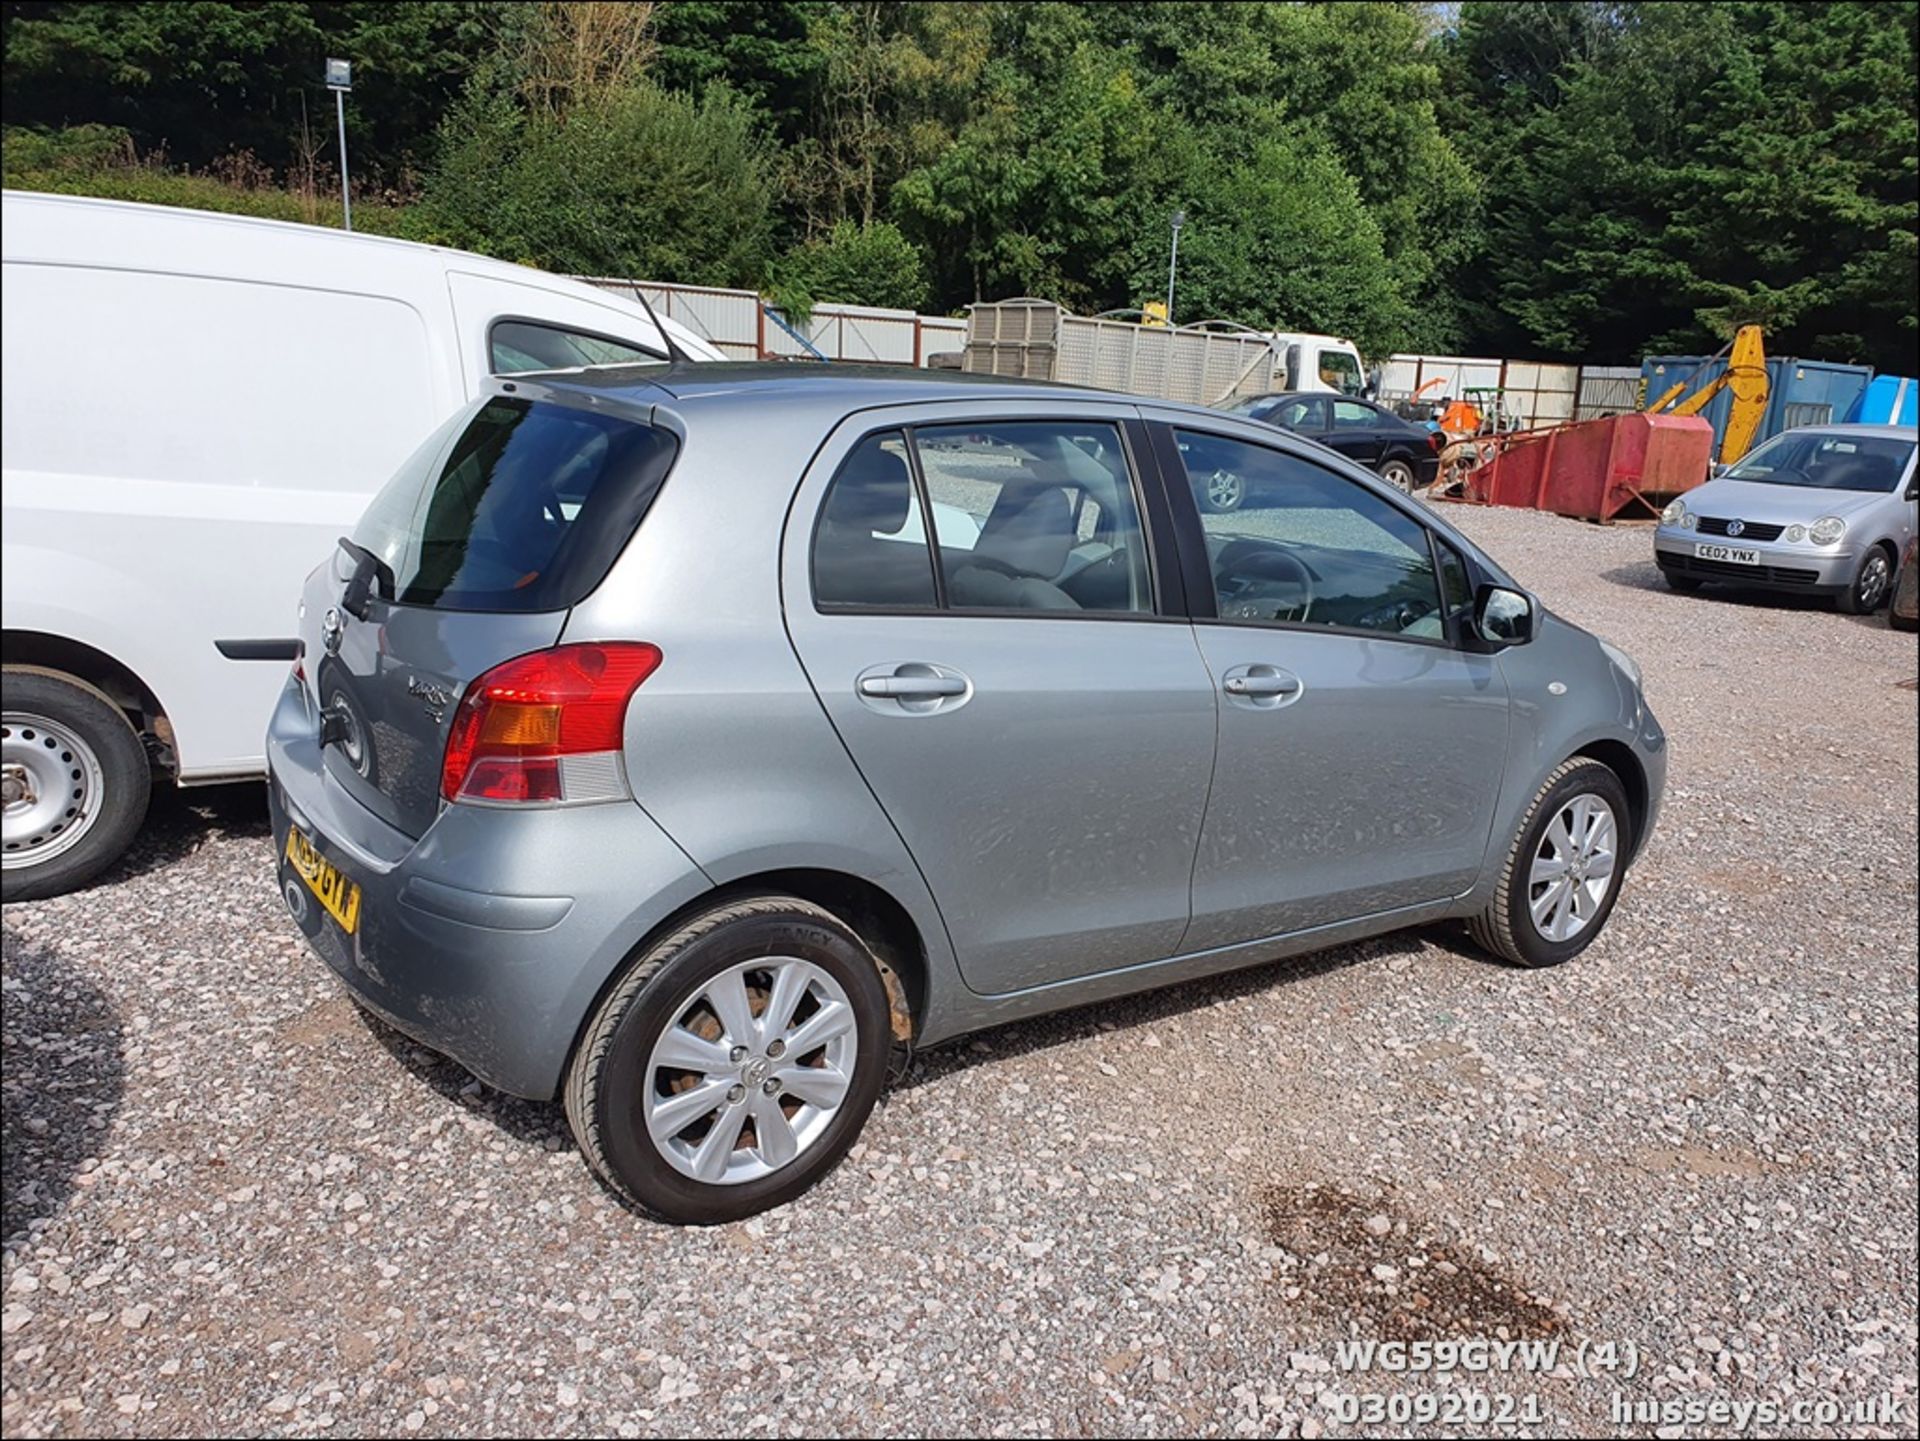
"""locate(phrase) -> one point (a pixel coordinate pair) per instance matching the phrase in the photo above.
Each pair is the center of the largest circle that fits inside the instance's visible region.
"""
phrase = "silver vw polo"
(680, 741)
(1823, 510)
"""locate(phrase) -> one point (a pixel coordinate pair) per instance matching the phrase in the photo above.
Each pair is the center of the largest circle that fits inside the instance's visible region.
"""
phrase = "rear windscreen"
(525, 511)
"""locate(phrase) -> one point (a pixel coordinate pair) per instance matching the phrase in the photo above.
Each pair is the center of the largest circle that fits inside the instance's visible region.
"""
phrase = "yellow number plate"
(339, 895)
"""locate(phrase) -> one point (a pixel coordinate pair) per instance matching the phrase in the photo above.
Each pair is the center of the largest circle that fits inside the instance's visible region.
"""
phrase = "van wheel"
(1680, 584)
(76, 783)
(733, 1065)
(1563, 871)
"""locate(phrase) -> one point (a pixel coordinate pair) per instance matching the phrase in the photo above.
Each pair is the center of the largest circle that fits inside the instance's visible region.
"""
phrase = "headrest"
(872, 491)
(1031, 531)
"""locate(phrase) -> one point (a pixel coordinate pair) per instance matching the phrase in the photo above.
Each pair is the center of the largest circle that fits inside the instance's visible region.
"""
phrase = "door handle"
(1260, 685)
(912, 687)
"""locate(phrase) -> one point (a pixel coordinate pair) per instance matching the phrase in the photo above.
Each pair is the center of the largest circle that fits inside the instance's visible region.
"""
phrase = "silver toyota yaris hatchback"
(680, 740)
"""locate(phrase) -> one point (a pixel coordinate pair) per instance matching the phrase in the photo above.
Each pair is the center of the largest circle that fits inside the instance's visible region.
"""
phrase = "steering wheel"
(1252, 563)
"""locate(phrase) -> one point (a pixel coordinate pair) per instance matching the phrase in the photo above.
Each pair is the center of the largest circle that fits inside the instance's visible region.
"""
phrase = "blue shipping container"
(1799, 392)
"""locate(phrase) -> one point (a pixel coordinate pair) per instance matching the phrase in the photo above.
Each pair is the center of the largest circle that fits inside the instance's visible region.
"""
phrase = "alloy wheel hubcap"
(1573, 868)
(50, 783)
(1399, 477)
(1873, 582)
(752, 1070)
(1223, 489)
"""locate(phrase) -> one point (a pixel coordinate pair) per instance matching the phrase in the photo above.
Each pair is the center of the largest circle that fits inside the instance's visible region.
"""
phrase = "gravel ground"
(233, 1205)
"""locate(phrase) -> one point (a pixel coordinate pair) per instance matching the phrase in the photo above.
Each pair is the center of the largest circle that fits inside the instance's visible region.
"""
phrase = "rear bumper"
(1781, 568)
(490, 937)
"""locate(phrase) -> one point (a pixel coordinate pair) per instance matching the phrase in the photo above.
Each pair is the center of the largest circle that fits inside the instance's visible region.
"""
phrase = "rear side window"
(515, 346)
(870, 546)
(525, 509)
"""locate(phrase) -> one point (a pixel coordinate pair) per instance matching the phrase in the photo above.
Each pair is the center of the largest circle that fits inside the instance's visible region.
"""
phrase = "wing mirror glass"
(1503, 617)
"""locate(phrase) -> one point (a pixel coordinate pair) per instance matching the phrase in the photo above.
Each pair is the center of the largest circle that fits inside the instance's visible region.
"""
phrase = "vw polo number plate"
(1739, 555)
(333, 890)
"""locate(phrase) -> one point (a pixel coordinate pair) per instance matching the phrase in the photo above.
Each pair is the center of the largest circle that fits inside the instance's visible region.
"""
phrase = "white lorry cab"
(196, 407)
(1318, 362)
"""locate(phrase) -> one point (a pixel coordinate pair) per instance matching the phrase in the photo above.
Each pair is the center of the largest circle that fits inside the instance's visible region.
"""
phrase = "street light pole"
(1173, 261)
(340, 81)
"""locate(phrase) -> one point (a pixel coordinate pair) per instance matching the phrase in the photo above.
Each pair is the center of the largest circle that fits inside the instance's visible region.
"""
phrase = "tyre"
(1221, 492)
(1398, 473)
(1871, 585)
(76, 783)
(733, 1064)
(1684, 584)
(1562, 874)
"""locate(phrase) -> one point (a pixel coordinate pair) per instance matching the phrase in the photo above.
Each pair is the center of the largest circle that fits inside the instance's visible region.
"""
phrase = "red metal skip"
(1597, 469)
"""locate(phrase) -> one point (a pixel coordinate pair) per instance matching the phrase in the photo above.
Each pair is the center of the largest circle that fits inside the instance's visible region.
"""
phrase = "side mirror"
(1502, 617)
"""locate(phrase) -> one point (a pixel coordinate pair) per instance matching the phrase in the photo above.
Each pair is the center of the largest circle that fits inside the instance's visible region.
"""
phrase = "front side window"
(1352, 415)
(1301, 545)
(1044, 512)
(515, 346)
(1340, 371)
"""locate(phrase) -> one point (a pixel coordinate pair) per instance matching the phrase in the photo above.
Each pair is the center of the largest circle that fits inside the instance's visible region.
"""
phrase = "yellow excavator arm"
(1745, 376)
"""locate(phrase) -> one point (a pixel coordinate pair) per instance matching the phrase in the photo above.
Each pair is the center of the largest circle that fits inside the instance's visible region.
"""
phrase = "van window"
(520, 345)
(524, 511)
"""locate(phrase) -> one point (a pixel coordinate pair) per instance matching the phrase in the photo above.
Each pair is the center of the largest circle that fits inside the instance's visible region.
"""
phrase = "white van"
(195, 407)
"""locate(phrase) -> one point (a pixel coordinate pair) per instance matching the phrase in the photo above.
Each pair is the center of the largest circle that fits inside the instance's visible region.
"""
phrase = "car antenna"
(674, 353)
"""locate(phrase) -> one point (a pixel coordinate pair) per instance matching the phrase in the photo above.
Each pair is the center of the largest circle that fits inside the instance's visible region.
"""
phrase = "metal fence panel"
(1607, 390)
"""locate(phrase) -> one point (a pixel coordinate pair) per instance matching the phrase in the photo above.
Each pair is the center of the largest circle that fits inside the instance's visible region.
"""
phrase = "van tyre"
(1683, 584)
(77, 782)
(1562, 874)
(733, 1064)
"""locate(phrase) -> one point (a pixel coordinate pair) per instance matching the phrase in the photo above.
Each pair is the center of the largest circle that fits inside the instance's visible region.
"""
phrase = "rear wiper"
(367, 568)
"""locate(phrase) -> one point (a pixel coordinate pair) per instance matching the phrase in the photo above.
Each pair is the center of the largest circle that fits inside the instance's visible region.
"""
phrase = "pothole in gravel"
(1397, 1277)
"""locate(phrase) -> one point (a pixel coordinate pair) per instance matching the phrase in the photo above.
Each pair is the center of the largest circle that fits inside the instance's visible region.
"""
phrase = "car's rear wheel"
(1871, 585)
(1398, 474)
(734, 1063)
(1562, 873)
(75, 782)
(1221, 492)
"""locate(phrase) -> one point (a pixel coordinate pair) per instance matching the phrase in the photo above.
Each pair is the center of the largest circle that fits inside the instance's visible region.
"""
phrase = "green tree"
(640, 182)
(1681, 169)
(857, 265)
(203, 80)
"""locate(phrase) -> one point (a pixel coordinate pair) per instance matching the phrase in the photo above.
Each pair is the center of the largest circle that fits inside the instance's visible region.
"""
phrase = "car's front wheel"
(1683, 584)
(1871, 585)
(734, 1063)
(1221, 492)
(76, 782)
(1562, 873)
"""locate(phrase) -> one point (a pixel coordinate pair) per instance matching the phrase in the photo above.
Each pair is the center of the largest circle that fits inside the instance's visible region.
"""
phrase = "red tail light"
(546, 727)
(1436, 440)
